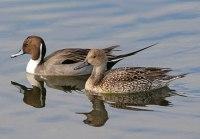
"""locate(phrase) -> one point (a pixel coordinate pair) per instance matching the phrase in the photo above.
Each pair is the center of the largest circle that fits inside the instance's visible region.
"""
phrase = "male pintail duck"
(62, 62)
(125, 79)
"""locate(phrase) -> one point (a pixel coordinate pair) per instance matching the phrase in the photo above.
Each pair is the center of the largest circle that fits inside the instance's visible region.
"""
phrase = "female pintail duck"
(61, 62)
(125, 79)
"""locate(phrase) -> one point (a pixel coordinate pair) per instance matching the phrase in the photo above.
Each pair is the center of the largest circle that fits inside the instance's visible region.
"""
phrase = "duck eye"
(94, 56)
(25, 45)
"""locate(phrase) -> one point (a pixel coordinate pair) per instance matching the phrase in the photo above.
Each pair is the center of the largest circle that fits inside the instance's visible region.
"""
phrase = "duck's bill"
(82, 65)
(17, 54)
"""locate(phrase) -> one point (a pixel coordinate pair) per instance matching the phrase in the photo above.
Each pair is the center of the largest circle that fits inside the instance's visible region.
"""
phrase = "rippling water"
(133, 24)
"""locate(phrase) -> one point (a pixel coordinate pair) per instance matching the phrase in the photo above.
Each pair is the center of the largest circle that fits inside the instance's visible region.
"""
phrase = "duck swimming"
(125, 79)
(62, 62)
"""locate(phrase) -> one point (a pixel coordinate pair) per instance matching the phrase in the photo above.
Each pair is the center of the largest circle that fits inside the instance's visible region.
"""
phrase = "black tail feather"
(130, 54)
(111, 48)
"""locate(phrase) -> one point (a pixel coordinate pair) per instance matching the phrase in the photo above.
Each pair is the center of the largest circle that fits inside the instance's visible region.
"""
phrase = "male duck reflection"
(34, 96)
(123, 80)
(62, 62)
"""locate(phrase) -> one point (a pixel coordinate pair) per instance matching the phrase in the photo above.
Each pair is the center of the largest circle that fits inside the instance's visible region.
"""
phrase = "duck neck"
(97, 74)
(33, 64)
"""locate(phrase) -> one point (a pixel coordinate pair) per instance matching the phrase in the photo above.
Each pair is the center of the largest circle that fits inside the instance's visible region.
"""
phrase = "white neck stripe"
(32, 64)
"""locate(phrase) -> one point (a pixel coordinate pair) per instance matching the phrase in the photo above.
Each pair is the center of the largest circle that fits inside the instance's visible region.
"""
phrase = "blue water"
(133, 24)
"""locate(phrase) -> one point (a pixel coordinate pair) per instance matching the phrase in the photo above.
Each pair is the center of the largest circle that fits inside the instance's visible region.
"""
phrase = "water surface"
(133, 24)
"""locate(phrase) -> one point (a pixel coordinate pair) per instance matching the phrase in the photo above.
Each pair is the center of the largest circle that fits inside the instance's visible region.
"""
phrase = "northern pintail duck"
(62, 62)
(125, 79)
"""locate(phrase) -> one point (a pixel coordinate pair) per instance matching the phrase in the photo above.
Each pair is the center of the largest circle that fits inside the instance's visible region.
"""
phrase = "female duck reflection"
(98, 115)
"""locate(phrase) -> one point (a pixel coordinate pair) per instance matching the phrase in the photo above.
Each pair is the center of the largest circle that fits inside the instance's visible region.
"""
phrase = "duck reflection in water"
(131, 101)
(34, 96)
(67, 84)
(98, 116)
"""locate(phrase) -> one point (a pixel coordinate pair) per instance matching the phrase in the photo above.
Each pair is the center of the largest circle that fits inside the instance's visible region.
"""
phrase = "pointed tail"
(171, 78)
(111, 48)
(130, 54)
(179, 76)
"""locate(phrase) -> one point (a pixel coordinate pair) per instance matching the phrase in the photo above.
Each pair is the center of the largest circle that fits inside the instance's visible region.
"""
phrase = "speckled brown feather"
(135, 79)
(125, 79)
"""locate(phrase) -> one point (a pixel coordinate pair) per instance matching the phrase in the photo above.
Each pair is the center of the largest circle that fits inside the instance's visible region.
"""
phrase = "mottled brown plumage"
(126, 79)
(135, 79)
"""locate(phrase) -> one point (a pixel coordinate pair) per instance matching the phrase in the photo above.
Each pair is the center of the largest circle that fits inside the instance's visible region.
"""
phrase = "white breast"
(32, 64)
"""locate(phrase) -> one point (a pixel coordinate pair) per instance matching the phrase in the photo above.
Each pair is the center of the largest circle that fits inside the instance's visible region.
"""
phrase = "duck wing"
(136, 79)
(67, 56)
(73, 55)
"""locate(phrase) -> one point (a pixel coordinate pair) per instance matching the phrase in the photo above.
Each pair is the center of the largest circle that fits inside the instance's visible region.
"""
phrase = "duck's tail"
(169, 78)
(113, 57)
(178, 76)
(111, 48)
(165, 80)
